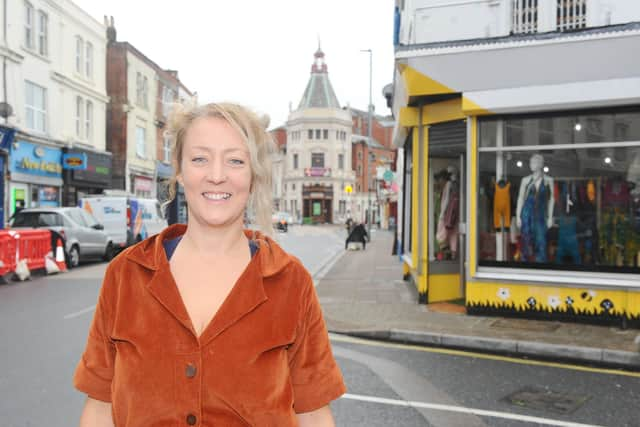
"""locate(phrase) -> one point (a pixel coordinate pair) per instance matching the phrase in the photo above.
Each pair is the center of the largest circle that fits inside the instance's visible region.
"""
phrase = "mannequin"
(449, 213)
(501, 214)
(534, 212)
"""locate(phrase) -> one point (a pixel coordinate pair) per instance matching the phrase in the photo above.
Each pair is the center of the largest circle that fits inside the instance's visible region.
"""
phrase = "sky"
(259, 53)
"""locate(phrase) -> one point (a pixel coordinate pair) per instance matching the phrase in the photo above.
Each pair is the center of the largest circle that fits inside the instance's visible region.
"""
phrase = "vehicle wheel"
(109, 253)
(73, 258)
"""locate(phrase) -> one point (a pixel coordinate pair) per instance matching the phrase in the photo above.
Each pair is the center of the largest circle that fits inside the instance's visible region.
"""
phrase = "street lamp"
(369, 136)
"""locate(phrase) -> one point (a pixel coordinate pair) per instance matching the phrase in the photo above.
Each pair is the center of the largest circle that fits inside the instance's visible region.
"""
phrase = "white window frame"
(141, 137)
(43, 33)
(79, 116)
(88, 120)
(571, 21)
(167, 100)
(37, 111)
(145, 92)
(79, 54)
(526, 15)
(88, 60)
(29, 18)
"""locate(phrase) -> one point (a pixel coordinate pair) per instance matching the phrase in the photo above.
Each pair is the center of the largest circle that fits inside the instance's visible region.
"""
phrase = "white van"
(126, 219)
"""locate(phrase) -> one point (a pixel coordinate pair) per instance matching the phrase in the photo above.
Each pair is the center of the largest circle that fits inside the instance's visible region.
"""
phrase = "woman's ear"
(179, 178)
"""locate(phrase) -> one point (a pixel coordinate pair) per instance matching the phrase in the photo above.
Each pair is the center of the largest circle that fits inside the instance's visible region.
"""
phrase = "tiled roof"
(319, 92)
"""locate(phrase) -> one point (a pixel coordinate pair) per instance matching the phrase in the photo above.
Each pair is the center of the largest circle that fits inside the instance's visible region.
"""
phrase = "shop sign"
(97, 169)
(74, 161)
(317, 171)
(142, 184)
(36, 160)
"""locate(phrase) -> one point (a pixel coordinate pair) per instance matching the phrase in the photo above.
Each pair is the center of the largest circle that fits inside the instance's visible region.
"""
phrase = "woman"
(210, 324)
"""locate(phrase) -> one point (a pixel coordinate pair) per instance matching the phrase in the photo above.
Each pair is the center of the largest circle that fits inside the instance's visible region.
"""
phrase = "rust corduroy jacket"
(264, 357)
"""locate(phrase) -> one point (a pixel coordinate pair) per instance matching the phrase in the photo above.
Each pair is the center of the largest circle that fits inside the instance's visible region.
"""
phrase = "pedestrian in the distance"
(358, 234)
(208, 323)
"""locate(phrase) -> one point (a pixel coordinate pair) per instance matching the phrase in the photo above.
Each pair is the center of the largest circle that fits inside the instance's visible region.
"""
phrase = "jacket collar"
(248, 293)
(150, 253)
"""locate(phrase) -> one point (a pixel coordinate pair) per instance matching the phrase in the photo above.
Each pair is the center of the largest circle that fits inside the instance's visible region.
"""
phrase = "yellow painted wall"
(444, 287)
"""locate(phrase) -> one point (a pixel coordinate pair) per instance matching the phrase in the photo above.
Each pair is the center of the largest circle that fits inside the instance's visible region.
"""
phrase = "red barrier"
(30, 244)
(7, 253)
(34, 245)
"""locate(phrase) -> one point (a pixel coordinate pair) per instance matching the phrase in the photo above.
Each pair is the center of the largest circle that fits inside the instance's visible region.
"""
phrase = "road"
(44, 322)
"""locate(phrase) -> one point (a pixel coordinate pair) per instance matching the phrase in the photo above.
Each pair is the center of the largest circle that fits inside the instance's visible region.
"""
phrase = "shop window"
(571, 208)
(444, 208)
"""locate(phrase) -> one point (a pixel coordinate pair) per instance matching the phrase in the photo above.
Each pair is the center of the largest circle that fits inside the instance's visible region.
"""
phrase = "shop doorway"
(446, 229)
(19, 198)
(317, 204)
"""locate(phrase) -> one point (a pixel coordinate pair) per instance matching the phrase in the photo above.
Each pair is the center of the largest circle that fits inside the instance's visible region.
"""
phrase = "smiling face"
(216, 173)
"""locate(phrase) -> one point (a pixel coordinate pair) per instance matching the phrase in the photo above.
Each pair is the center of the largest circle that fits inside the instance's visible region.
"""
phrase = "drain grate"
(546, 400)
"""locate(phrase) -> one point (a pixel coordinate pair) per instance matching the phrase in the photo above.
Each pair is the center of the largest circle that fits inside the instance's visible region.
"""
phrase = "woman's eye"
(198, 160)
(237, 161)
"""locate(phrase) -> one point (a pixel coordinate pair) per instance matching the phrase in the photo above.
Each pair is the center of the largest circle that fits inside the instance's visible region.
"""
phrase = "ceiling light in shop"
(607, 160)
(545, 169)
(578, 127)
(519, 163)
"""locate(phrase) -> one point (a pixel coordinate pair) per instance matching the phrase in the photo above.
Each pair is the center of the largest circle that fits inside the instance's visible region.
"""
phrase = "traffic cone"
(60, 262)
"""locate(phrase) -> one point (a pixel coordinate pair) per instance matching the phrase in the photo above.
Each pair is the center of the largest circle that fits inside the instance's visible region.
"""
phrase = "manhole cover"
(525, 325)
(546, 400)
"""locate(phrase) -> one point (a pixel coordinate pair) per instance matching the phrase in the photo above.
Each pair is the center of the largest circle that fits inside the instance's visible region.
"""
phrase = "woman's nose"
(216, 173)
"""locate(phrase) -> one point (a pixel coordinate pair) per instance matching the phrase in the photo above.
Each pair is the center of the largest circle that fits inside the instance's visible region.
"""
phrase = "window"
(89, 61)
(295, 161)
(36, 110)
(359, 170)
(43, 33)
(166, 148)
(145, 92)
(141, 135)
(28, 25)
(167, 100)
(525, 16)
(79, 54)
(138, 89)
(293, 186)
(317, 160)
(318, 133)
(325, 133)
(88, 122)
(359, 155)
(341, 161)
(310, 134)
(571, 14)
(568, 201)
(79, 116)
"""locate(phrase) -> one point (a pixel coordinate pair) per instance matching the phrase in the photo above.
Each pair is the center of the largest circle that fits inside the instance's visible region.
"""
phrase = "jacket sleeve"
(94, 372)
(315, 375)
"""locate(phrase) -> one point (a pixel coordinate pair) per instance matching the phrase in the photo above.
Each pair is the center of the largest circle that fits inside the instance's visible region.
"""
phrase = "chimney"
(111, 29)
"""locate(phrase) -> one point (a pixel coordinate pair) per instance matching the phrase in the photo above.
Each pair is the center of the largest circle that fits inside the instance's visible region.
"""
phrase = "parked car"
(81, 232)
(281, 220)
(126, 219)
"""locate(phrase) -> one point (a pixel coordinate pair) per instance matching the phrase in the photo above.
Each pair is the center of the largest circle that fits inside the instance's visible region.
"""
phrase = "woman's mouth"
(216, 196)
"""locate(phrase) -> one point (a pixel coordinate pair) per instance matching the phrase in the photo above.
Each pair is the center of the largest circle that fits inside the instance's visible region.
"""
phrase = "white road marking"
(462, 409)
(80, 313)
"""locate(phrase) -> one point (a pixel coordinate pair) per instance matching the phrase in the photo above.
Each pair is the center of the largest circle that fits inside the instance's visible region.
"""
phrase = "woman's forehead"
(213, 133)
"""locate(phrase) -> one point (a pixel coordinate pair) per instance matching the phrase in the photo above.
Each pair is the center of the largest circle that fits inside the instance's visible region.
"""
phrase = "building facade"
(141, 96)
(521, 178)
(317, 170)
(53, 57)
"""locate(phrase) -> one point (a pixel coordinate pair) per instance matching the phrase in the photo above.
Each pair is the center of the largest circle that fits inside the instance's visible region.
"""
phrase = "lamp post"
(370, 112)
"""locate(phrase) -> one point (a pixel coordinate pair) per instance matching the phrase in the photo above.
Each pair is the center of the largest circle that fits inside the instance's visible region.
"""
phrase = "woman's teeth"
(216, 196)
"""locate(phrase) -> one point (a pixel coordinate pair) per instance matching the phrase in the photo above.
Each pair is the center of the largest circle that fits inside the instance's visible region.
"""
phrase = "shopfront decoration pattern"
(556, 301)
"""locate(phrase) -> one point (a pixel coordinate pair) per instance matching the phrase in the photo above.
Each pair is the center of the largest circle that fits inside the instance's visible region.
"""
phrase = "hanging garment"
(534, 222)
(502, 207)
(567, 240)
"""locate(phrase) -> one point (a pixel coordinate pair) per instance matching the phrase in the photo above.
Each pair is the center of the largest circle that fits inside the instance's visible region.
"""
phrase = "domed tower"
(318, 168)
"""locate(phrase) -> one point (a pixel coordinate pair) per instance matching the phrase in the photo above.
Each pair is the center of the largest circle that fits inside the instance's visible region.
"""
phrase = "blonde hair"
(253, 130)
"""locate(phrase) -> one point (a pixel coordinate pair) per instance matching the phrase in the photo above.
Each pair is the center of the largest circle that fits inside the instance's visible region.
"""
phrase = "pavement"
(362, 294)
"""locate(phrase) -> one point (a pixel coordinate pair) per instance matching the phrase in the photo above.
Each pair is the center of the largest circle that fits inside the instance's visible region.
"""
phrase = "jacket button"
(190, 371)
(191, 419)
